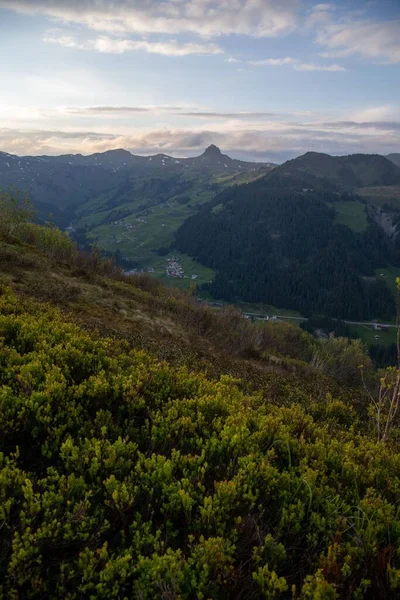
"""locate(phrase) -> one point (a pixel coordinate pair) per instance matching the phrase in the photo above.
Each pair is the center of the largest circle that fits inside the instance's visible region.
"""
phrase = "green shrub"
(48, 238)
(288, 340)
(15, 210)
(122, 477)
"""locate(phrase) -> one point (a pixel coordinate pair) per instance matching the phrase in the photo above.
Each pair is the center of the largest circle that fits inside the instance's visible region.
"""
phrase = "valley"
(144, 236)
(319, 230)
(128, 206)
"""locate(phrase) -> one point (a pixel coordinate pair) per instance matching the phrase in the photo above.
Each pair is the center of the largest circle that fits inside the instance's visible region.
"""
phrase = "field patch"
(350, 213)
(370, 336)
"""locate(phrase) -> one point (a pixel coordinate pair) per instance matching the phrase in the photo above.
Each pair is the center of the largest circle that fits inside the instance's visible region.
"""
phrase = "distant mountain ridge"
(212, 158)
(72, 179)
(316, 170)
(395, 157)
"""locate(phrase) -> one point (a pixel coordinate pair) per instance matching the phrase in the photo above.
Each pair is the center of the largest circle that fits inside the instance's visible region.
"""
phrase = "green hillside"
(139, 218)
(351, 213)
(155, 448)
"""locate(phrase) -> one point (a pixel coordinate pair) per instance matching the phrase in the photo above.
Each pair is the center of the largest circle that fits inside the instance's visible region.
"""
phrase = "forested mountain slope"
(126, 476)
(283, 247)
(314, 169)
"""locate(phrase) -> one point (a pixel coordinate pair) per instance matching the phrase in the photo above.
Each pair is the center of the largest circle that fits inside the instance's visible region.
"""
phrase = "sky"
(264, 80)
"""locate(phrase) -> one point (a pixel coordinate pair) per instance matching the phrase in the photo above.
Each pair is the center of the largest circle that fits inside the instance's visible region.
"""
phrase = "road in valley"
(263, 317)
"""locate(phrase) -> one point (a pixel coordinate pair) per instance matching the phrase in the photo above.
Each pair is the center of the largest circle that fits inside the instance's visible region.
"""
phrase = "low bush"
(121, 477)
(288, 340)
(15, 210)
(51, 240)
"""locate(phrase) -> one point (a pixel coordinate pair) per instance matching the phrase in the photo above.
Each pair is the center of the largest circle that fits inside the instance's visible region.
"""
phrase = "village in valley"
(173, 269)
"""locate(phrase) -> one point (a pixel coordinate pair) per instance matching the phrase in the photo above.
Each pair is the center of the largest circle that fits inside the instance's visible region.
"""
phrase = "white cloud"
(103, 110)
(296, 64)
(259, 18)
(266, 139)
(313, 67)
(118, 46)
(177, 111)
(274, 62)
(226, 115)
(319, 15)
(377, 41)
(114, 110)
(377, 113)
(325, 6)
(345, 34)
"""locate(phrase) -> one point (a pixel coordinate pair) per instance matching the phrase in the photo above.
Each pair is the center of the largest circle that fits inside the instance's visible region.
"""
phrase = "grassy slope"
(352, 214)
(241, 178)
(160, 320)
(369, 336)
(141, 241)
(162, 217)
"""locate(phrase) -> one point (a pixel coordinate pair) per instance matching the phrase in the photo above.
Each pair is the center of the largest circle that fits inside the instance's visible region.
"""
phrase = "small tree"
(15, 211)
(386, 400)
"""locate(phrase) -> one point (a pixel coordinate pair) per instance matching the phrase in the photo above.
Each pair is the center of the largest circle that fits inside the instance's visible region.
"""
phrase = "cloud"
(344, 34)
(177, 111)
(378, 113)
(274, 62)
(378, 41)
(226, 115)
(117, 46)
(325, 6)
(101, 110)
(319, 15)
(387, 126)
(296, 64)
(313, 67)
(265, 140)
(208, 18)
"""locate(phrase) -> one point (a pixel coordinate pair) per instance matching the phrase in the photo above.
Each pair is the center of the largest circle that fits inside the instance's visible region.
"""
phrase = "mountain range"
(309, 234)
(72, 179)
